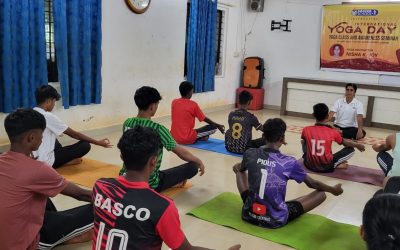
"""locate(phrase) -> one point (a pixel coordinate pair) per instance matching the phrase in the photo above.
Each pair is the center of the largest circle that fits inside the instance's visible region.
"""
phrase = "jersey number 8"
(237, 131)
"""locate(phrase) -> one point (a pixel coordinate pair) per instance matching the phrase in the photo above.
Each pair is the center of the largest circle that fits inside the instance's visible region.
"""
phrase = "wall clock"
(138, 6)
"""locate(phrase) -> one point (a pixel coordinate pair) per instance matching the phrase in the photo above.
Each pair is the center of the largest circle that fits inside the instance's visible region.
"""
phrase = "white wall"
(291, 54)
(148, 49)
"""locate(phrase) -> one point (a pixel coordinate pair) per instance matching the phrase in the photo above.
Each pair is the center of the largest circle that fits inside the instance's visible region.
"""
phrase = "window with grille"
(50, 47)
(219, 48)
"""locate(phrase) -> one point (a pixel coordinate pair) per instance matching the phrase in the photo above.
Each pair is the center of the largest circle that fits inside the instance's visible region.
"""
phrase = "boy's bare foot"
(180, 185)
(85, 237)
(74, 162)
(343, 165)
(205, 138)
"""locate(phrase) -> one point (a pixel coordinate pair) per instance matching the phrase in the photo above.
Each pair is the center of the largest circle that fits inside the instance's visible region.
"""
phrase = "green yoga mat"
(308, 232)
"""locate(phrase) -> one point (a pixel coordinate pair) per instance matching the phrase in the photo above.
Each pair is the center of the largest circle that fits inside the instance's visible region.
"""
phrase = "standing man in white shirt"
(51, 151)
(349, 114)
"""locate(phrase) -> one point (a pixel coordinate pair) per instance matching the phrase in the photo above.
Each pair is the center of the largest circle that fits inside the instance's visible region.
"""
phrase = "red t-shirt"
(25, 185)
(319, 140)
(183, 112)
(138, 216)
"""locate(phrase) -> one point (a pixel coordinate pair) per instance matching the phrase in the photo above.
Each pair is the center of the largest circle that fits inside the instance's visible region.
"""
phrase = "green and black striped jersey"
(167, 142)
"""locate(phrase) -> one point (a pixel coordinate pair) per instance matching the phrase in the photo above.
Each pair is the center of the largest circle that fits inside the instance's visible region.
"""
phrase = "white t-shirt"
(346, 113)
(54, 128)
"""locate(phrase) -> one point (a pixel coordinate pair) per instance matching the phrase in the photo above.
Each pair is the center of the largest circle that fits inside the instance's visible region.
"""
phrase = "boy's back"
(25, 185)
(54, 128)
(318, 139)
(268, 173)
(166, 141)
(239, 133)
(138, 217)
(183, 114)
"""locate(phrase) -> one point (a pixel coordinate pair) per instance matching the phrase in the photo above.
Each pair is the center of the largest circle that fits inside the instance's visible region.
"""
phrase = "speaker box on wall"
(256, 5)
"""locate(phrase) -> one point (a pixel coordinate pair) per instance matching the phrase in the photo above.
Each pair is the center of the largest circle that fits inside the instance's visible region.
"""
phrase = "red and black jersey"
(130, 215)
(318, 139)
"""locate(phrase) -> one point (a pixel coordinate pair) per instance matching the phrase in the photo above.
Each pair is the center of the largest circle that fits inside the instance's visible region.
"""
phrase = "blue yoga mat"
(214, 145)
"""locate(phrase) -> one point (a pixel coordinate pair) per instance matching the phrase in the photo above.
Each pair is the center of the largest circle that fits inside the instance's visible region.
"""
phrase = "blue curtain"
(23, 64)
(200, 53)
(77, 31)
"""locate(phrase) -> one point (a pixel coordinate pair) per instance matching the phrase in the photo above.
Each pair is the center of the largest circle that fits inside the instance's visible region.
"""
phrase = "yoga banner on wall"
(361, 37)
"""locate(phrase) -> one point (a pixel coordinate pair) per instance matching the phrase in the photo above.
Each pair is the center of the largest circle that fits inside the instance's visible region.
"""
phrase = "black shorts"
(295, 209)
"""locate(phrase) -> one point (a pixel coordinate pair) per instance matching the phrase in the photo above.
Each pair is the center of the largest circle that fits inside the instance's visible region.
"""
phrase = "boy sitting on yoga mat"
(128, 213)
(238, 137)
(147, 99)
(26, 185)
(183, 114)
(263, 188)
(317, 144)
(51, 151)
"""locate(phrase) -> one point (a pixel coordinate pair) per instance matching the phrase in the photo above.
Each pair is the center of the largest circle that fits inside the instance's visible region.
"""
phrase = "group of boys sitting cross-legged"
(129, 211)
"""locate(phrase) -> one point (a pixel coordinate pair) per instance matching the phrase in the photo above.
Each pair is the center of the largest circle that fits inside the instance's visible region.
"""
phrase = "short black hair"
(45, 92)
(274, 129)
(185, 87)
(145, 96)
(352, 85)
(244, 97)
(381, 221)
(22, 121)
(137, 146)
(321, 111)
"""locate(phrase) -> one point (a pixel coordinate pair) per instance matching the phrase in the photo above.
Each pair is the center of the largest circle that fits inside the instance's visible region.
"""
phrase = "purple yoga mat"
(355, 173)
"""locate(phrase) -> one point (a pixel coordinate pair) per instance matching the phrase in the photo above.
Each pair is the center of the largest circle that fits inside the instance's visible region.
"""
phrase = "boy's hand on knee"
(360, 147)
(201, 167)
(105, 143)
(221, 128)
(337, 189)
(236, 167)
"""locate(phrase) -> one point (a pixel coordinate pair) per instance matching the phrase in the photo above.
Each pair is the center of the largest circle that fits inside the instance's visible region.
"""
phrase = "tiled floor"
(219, 178)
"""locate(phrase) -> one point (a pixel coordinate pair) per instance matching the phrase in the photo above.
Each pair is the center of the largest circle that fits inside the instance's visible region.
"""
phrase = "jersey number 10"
(112, 234)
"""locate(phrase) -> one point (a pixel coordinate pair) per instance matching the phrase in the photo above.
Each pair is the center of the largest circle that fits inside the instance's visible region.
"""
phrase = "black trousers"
(66, 154)
(60, 226)
(172, 176)
(350, 132)
(385, 161)
(339, 157)
(205, 131)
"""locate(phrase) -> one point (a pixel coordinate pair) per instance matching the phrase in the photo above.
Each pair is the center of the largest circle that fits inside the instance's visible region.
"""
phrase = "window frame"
(51, 56)
(224, 10)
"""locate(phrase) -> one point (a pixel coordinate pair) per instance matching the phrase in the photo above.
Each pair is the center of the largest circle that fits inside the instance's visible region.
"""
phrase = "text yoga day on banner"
(361, 37)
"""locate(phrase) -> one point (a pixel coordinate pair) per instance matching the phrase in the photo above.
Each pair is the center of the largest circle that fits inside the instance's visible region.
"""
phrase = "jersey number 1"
(264, 175)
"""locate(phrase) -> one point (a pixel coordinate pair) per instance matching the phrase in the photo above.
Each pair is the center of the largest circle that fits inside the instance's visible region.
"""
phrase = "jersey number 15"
(317, 147)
